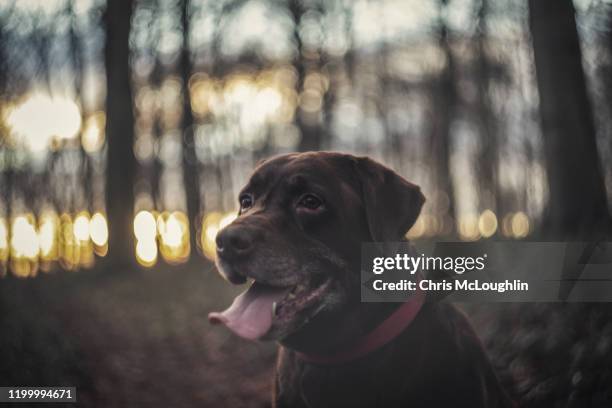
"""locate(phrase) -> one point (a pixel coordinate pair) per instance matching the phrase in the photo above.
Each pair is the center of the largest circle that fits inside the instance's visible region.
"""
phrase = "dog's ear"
(260, 162)
(391, 203)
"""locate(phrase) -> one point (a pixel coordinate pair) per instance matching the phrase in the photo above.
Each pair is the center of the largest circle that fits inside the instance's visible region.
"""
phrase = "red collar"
(388, 330)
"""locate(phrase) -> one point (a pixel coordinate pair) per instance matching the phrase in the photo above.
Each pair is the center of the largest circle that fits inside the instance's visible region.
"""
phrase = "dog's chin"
(299, 307)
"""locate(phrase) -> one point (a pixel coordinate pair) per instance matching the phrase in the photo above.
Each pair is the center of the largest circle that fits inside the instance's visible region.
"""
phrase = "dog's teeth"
(274, 308)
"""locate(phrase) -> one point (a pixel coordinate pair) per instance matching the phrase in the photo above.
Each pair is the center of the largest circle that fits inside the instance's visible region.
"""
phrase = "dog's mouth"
(253, 313)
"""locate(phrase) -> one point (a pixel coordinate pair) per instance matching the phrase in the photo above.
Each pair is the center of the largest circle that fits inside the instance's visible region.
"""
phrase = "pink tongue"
(250, 315)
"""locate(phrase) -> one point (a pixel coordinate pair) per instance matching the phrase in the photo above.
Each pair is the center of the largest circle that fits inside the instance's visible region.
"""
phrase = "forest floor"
(138, 339)
(141, 339)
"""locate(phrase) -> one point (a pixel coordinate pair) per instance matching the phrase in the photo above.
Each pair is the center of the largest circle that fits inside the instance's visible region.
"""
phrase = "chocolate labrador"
(297, 237)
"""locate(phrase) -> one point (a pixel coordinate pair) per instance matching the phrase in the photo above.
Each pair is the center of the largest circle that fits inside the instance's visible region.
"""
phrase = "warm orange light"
(418, 229)
(212, 223)
(24, 246)
(98, 229)
(145, 227)
(93, 136)
(146, 252)
(24, 239)
(487, 223)
(174, 237)
(81, 226)
(174, 230)
(210, 227)
(520, 225)
(467, 227)
(4, 241)
(48, 236)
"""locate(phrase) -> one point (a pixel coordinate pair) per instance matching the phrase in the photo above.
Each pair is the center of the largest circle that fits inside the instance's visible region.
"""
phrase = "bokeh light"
(93, 135)
(4, 241)
(50, 240)
(520, 225)
(145, 226)
(39, 120)
(81, 226)
(24, 239)
(467, 227)
(417, 230)
(174, 237)
(211, 225)
(98, 229)
(48, 236)
(146, 252)
(166, 233)
(24, 246)
(487, 223)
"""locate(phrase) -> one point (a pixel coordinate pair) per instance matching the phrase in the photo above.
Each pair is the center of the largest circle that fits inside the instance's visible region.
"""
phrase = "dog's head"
(298, 237)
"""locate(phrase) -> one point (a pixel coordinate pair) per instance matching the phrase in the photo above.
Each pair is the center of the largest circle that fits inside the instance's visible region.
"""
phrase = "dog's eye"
(310, 202)
(246, 201)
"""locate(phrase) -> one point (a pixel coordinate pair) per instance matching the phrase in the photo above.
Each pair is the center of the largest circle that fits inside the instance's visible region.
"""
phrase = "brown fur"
(436, 361)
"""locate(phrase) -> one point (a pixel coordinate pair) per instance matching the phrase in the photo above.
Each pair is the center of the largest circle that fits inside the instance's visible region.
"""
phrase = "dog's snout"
(235, 241)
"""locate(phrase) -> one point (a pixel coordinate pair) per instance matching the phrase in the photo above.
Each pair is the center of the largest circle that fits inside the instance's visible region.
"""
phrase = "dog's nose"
(234, 241)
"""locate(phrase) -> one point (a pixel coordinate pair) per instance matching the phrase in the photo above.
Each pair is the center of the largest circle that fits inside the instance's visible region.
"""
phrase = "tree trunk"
(605, 76)
(120, 161)
(84, 198)
(443, 110)
(191, 179)
(490, 194)
(155, 79)
(577, 206)
(310, 128)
